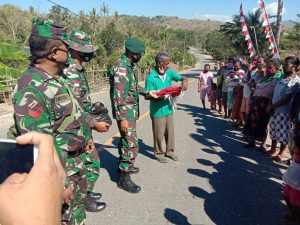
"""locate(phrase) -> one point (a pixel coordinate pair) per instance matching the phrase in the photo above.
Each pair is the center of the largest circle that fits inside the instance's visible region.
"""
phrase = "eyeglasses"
(63, 50)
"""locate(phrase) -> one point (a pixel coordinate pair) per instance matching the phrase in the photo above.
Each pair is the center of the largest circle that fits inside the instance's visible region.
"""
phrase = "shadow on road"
(176, 217)
(110, 161)
(245, 190)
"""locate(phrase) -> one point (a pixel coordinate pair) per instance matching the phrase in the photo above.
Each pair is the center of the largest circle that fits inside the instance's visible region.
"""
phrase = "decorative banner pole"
(251, 49)
(268, 30)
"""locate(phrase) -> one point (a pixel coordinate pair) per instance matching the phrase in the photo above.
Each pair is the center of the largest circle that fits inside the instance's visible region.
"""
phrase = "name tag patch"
(62, 98)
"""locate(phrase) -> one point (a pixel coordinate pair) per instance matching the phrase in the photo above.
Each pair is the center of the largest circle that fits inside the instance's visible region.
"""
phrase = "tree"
(294, 36)
(234, 31)
(111, 39)
(60, 15)
(13, 60)
(219, 45)
(14, 24)
(104, 9)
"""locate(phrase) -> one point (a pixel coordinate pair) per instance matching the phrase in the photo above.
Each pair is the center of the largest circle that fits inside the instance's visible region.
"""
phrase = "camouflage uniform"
(76, 78)
(125, 106)
(43, 102)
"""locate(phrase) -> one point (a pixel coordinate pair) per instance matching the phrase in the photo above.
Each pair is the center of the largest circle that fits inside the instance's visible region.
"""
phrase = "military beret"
(47, 28)
(81, 42)
(135, 45)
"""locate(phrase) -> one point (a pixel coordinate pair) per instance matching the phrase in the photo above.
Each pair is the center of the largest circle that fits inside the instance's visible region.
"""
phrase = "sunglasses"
(63, 50)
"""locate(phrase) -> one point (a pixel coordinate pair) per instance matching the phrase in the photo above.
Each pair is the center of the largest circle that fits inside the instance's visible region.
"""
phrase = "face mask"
(287, 70)
(230, 66)
(86, 57)
(65, 64)
(269, 72)
(137, 58)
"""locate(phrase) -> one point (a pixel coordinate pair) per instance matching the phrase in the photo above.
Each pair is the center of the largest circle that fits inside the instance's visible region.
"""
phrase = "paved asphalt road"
(215, 181)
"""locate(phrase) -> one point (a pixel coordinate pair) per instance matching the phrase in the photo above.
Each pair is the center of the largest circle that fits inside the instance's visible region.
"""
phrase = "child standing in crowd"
(249, 77)
(213, 96)
(232, 80)
(237, 94)
(219, 85)
(225, 72)
(204, 83)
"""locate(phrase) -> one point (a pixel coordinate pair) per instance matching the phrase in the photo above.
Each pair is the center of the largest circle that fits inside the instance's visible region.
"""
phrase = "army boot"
(133, 171)
(126, 183)
(94, 195)
(92, 205)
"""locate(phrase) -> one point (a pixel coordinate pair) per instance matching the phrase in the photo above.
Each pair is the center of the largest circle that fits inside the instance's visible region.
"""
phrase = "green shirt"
(160, 108)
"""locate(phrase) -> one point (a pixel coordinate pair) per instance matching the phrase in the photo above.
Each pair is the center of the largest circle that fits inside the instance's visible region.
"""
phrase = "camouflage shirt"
(42, 102)
(76, 78)
(123, 90)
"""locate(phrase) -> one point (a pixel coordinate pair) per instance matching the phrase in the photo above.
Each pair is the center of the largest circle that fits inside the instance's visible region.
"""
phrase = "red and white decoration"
(268, 30)
(251, 49)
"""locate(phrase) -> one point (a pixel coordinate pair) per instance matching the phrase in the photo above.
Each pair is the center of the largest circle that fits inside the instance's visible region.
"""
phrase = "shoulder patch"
(35, 114)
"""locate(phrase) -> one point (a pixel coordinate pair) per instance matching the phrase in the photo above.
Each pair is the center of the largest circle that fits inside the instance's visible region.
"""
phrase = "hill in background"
(175, 23)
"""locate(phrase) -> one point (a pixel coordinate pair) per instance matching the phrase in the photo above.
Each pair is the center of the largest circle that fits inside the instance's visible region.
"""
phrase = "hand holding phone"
(15, 158)
(35, 198)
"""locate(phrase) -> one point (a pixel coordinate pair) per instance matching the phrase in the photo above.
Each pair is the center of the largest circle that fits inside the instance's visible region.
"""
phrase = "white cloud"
(222, 18)
(271, 8)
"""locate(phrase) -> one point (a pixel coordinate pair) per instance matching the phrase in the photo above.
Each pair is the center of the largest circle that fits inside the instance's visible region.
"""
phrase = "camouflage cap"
(47, 28)
(81, 42)
(135, 45)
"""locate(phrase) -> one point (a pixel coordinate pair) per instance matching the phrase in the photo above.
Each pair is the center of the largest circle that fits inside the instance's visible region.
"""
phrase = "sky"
(220, 10)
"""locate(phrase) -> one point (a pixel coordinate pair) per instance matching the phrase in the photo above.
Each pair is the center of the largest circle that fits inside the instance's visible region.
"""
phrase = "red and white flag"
(246, 33)
(268, 30)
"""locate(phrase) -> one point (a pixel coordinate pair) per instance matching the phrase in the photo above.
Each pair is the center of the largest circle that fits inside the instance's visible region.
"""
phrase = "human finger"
(45, 162)
(15, 178)
(43, 141)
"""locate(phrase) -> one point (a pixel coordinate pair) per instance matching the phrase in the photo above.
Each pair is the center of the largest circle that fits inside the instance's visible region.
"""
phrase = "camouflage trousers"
(128, 146)
(92, 169)
(74, 212)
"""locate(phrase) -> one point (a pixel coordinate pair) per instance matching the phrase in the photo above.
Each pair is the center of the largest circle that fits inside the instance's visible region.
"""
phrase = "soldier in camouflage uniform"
(81, 50)
(125, 108)
(43, 102)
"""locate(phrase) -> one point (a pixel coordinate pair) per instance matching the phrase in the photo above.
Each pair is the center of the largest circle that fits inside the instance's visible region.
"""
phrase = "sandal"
(161, 159)
(271, 153)
(173, 157)
(279, 159)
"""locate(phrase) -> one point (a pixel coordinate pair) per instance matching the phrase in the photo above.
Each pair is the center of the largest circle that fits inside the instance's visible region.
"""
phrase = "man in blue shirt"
(161, 111)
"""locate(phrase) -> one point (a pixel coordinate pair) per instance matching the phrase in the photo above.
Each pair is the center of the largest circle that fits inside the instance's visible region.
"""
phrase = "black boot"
(92, 205)
(126, 183)
(133, 171)
(94, 195)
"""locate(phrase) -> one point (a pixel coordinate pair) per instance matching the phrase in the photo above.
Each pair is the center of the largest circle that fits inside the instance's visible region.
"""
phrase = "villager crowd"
(261, 97)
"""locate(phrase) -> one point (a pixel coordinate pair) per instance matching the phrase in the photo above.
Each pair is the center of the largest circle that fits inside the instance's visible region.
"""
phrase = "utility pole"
(279, 22)
(256, 42)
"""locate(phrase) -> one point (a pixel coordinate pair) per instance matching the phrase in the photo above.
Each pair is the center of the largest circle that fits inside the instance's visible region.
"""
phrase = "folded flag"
(172, 91)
